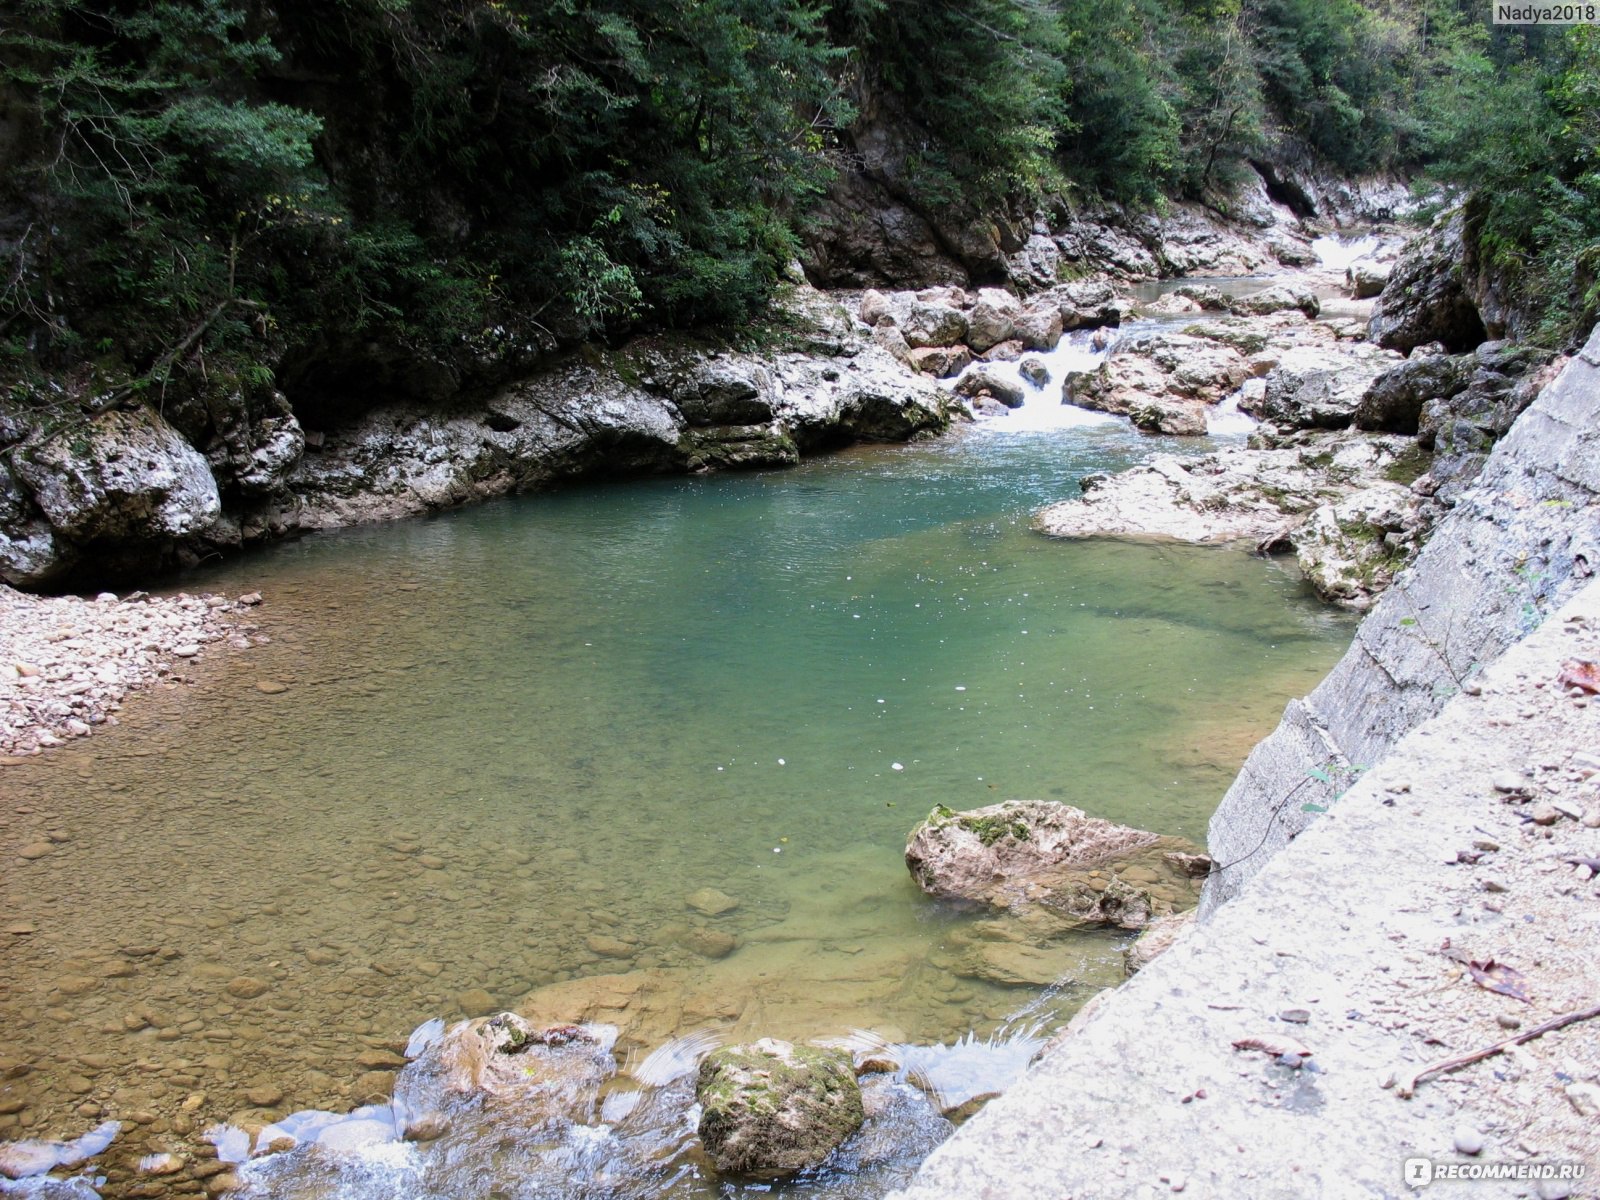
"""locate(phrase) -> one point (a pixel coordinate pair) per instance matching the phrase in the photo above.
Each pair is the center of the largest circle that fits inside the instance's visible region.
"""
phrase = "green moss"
(991, 829)
(1408, 467)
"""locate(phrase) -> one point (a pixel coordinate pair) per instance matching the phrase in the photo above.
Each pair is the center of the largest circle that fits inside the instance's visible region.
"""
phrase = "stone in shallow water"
(271, 687)
(709, 943)
(476, 1002)
(710, 902)
(776, 1108)
(247, 987)
(610, 947)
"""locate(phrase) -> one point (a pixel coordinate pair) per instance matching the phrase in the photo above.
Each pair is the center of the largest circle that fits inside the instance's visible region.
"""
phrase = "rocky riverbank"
(1360, 452)
(67, 664)
(96, 489)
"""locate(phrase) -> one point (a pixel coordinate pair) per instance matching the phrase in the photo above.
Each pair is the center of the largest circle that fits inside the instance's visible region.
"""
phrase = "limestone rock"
(1352, 550)
(774, 1108)
(1162, 381)
(933, 324)
(1079, 869)
(537, 1076)
(726, 392)
(1233, 495)
(1394, 401)
(989, 383)
(1428, 296)
(1037, 264)
(874, 306)
(1157, 938)
(120, 477)
(1278, 298)
(883, 412)
(992, 319)
(1366, 277)
(941, 361)
(1089, 303)
(1039, 327)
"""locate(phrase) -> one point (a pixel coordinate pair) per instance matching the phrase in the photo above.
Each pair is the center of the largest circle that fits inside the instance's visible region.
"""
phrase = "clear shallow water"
(516, 737)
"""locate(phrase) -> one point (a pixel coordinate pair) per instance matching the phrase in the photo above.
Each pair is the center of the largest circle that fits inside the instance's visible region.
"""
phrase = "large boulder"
(940, 361)
(933, 323)
(1037, 265)
(878, 411)
(1429, 295)
(1039, 327)
(1394, 401)
(1317, 386)
(980, 382)
(31, 555)
(534, 1077)
(1087, 303)
(1351, 550)
(1163, 382)
(121, 476)
(773, 1108)
(992, 319)
(1367, 276)
(1281, 297)
(1054, 858)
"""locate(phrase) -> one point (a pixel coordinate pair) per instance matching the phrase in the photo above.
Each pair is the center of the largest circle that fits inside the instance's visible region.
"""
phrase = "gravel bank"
(67, 663)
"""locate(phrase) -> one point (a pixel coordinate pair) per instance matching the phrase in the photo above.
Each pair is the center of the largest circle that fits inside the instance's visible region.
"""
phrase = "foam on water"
(1337, 251)
(1042, 407)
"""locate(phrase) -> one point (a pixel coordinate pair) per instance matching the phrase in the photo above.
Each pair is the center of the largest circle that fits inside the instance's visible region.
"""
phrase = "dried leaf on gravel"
(1498, 977)
(1577, 672)
(1273, 1044)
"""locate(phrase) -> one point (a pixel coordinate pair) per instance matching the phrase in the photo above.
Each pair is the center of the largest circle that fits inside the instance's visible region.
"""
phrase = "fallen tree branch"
(1408, 1086)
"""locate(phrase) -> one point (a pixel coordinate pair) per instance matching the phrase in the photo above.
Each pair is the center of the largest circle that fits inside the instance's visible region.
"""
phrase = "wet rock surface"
(776, 1108)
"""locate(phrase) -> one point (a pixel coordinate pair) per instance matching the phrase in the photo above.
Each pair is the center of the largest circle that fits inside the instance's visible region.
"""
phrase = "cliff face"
(1519, 542)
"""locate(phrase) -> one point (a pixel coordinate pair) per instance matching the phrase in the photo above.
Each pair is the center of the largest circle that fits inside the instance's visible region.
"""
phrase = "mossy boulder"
(772, 1108)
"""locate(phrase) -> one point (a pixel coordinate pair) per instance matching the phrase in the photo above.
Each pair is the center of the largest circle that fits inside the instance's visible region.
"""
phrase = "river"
(511, 741)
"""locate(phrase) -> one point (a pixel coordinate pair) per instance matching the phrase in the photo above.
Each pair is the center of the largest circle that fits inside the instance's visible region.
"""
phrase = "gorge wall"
(1518, 543)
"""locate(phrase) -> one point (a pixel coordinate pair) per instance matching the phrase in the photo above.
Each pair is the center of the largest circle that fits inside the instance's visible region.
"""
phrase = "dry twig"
(1408, 1086)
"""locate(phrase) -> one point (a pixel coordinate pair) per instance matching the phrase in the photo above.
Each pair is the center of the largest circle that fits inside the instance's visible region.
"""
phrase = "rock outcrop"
(774, 1108)
(1430, 294)
(1516, 543)
(535, 1078)
(1163, 382)
(126, 492)
(1330, 497)
(120, 482)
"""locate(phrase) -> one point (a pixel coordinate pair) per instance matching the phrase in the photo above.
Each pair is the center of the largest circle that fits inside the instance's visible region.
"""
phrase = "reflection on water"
(516, 739)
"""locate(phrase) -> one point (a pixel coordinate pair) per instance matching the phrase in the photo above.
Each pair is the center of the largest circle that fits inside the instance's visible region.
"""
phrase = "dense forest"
(253, 183)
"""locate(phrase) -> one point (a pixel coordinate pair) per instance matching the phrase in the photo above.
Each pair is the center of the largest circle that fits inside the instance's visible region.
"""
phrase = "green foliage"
(210, 176)
(985, 78)
(1525, 139)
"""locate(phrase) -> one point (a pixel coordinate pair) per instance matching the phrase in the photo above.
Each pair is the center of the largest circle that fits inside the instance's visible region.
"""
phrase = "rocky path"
(1447, 903)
